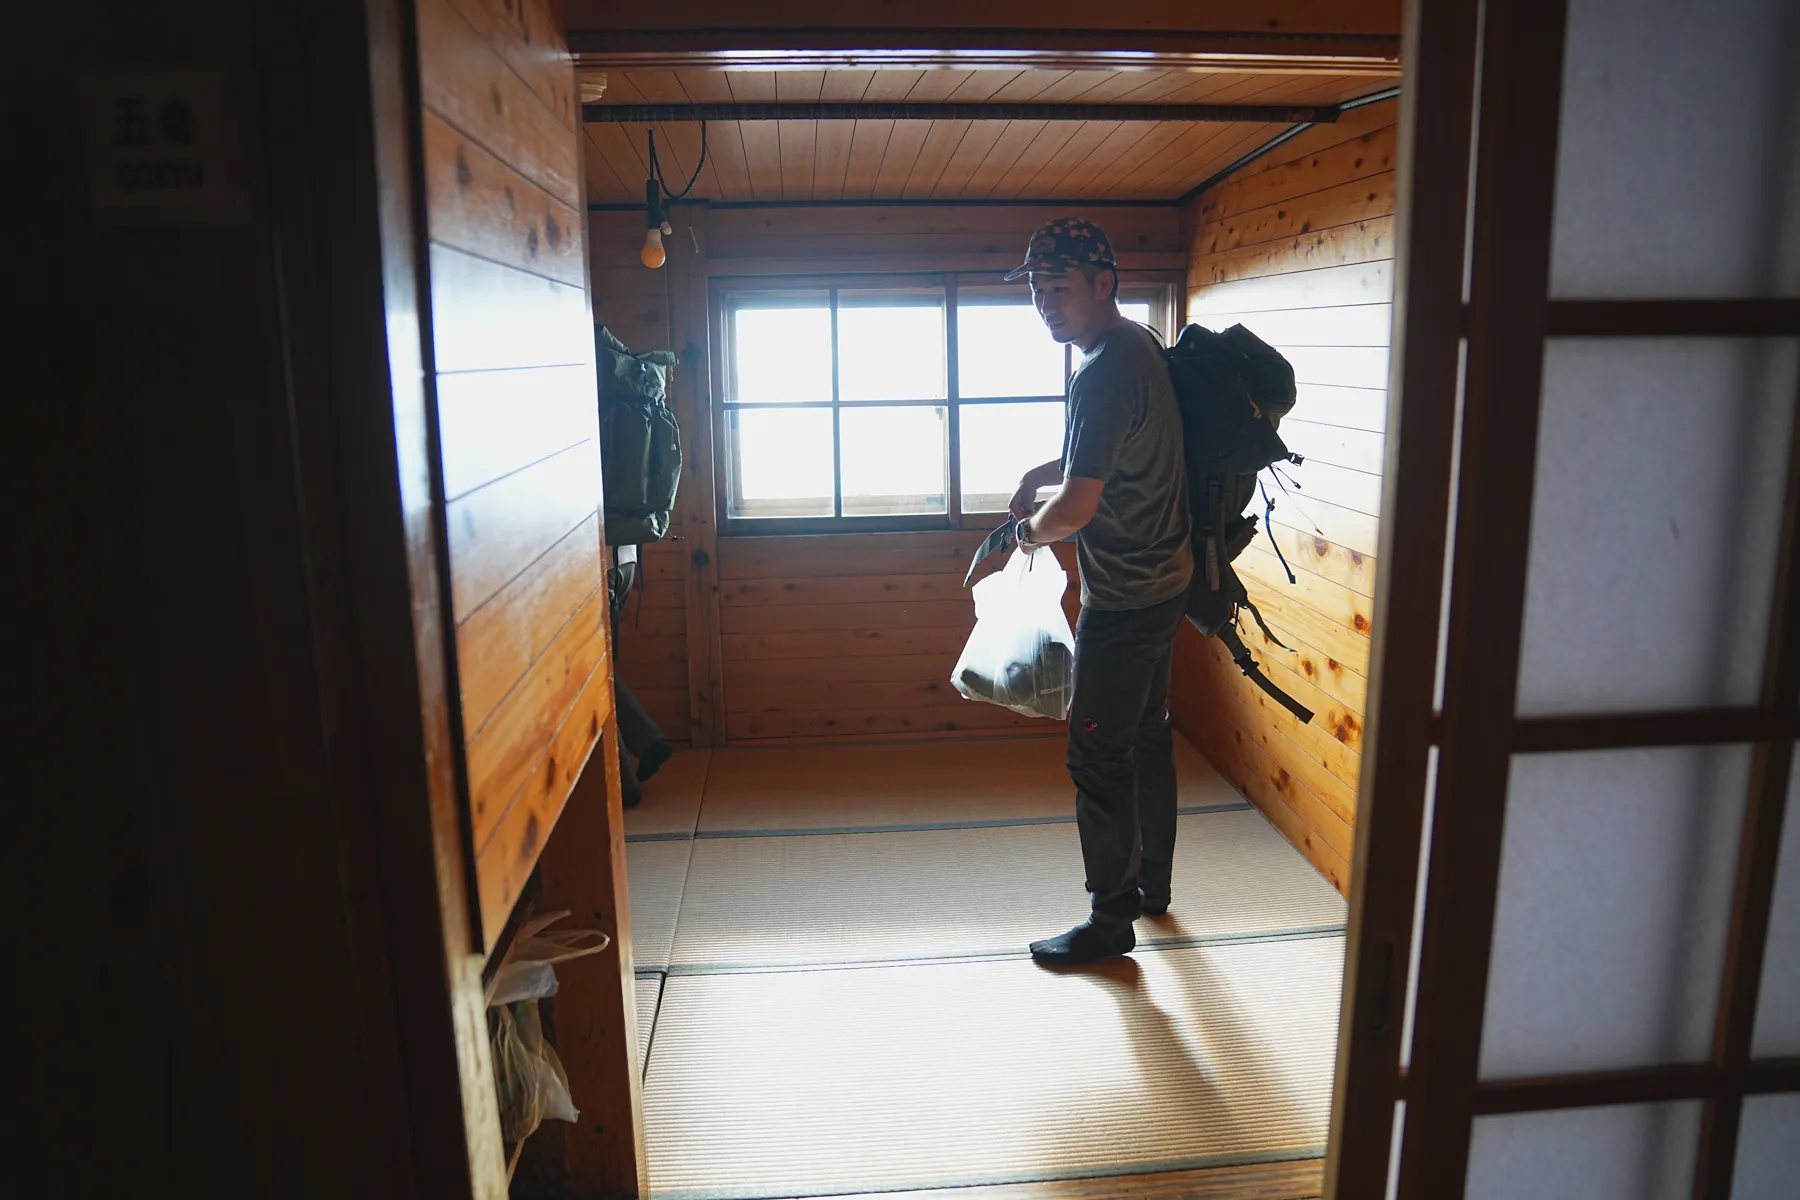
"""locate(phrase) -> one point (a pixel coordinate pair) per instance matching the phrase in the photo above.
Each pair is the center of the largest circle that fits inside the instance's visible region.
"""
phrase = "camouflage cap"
(1064, 243)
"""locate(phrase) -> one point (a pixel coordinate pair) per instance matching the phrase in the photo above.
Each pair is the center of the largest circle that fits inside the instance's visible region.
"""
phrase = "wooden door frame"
(1504, 324)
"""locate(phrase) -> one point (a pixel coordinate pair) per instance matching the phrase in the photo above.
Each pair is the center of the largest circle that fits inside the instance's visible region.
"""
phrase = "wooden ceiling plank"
(799, 140)
(762, 158)
(846, 85)
(751, 87)
(868, 146)
(1073, 86)
(705, 87)
(831, 159)
(1182, 167)
(940, 145)
(1120, 83)
(1087, 136)
(1201, 86)
(1145, 154)
(721, 140)
(801, 86)
(1029, 86)
(905, 140)
(1198, 158)
(971, 152)
(625, 154)
(1042, 148)
(1083, 178)
(891, 85)
(725, 147)
(796, 142)
(981, 85)
(1159, 89)
(1013, 141)
(937, 84)
(678, 146)
(604, 184)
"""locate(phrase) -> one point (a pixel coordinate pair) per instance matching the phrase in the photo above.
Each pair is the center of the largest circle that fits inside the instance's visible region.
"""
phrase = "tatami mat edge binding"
(954, 894)
(656, 874)
(1295, 1179)
(800, 789)
(647, 993)
(1147, 944)
(817, 1083)
(923, 826)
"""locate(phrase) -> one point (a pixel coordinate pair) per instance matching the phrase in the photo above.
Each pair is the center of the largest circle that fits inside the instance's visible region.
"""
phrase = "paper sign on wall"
(164, 147)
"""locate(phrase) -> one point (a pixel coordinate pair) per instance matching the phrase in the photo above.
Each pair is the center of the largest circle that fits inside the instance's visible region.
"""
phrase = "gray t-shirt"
(1124, 427)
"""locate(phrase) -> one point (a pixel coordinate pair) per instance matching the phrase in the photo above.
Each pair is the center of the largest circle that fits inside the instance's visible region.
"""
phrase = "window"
(901, 404)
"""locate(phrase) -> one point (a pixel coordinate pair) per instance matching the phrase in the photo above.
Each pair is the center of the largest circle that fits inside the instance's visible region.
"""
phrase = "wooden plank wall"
(853, 636)
(823, 636)
(517, 421)
(1299, 250)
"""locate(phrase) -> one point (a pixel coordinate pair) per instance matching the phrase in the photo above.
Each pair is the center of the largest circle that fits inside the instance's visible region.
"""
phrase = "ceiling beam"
(1047, 49)
(644, 114)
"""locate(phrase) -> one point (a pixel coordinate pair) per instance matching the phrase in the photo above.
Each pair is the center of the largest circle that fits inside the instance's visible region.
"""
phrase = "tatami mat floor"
(834, 995)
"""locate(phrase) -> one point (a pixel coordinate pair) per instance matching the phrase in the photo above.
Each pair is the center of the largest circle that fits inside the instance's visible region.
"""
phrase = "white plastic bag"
(529, 1079)
(1022, 653)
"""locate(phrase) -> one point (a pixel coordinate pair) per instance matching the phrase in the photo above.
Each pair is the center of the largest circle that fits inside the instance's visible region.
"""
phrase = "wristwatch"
(1022, 531)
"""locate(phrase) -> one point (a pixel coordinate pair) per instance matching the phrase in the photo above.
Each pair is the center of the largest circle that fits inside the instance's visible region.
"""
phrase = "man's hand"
(1036, 479)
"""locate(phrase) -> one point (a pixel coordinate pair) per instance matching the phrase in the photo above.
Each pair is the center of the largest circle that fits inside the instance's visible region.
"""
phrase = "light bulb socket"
(653, 205)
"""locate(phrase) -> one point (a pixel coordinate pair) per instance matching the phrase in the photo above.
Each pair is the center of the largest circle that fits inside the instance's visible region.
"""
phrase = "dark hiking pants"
(1121, 756)
(637, 733)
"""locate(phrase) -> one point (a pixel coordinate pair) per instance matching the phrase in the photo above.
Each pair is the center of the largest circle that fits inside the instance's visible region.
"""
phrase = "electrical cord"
(656, 167)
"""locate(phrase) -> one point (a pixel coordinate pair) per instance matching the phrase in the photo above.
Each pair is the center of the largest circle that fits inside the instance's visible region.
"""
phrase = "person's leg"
(1153, 755)
(1116, 660)
(639, 734)
(637, 729)
(631, 789)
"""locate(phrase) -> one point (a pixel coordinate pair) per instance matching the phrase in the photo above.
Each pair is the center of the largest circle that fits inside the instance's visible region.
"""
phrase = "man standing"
(1122, 488)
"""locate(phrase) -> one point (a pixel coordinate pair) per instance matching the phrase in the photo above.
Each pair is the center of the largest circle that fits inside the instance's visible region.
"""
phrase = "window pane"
(1000, 442)
(890, 347)
(1136, 310)
(781, 355)
(782, 460)
(1004, 350)
(893, 461)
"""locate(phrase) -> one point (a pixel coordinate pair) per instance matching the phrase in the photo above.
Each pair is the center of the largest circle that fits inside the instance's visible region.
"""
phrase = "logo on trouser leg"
(1088, 724)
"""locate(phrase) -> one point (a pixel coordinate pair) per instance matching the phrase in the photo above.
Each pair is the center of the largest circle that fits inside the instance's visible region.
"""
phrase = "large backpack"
(1233, 389)
(640, 441)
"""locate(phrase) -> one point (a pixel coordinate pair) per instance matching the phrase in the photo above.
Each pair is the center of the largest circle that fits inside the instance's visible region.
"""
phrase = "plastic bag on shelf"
(528, 1076)
(1022, 653)
(527, 973)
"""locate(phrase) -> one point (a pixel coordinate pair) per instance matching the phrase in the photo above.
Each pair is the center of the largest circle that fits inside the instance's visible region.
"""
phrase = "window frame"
(727, 294)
